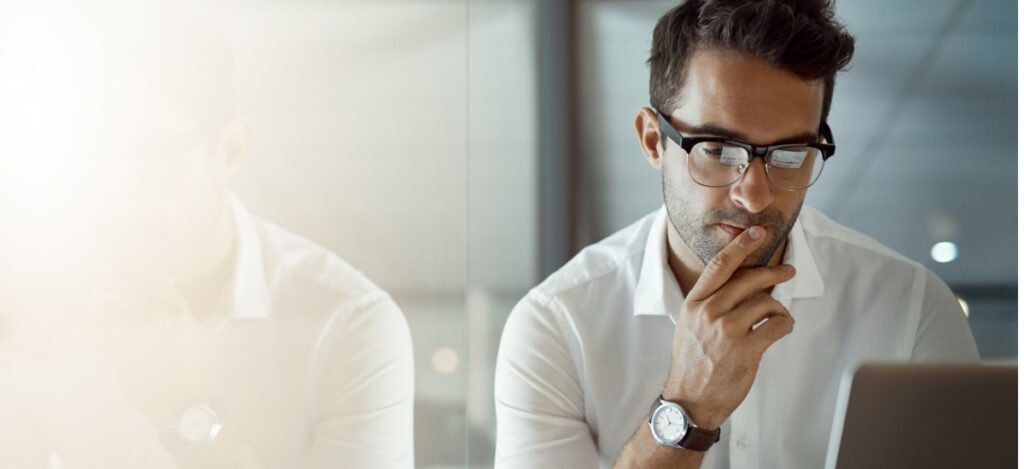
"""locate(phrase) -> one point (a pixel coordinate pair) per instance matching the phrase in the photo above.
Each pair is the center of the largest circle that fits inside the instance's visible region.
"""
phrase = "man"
(149, 320)
(713, 332)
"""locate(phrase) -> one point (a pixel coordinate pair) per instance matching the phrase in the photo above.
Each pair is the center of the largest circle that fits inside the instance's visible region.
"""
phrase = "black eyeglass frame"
(753, 151)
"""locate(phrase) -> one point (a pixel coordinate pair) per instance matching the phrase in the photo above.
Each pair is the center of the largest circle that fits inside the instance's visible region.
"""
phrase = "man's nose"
(753, 192)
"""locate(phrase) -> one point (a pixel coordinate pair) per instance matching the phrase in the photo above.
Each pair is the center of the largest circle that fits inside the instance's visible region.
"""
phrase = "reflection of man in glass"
(643, 350)
(179, 330)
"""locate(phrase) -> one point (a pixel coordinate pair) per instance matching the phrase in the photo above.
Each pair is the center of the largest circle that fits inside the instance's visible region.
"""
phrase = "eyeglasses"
(720, 162)
(142, 152)
(172, 146)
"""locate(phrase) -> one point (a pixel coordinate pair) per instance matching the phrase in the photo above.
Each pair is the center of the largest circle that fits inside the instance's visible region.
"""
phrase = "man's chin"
(759, 258)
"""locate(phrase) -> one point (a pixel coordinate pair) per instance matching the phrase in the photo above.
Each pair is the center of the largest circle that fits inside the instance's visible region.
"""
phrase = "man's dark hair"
(801, 36)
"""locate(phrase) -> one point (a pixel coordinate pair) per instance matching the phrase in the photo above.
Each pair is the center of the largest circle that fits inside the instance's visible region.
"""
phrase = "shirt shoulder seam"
(856, 239)
(587, 277)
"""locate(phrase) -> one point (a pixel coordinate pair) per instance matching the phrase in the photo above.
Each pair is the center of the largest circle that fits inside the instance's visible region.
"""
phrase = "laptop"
(925, 416)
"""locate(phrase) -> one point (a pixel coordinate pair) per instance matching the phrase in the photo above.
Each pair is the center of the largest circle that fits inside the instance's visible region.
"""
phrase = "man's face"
(169, 192)
(117, 169)
(758, 104)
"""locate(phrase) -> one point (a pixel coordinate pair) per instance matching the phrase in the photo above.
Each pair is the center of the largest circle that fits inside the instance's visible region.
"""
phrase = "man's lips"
(732, 230)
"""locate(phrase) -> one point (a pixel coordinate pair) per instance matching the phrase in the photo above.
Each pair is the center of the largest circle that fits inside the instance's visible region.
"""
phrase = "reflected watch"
(672, 426)
(197, 425)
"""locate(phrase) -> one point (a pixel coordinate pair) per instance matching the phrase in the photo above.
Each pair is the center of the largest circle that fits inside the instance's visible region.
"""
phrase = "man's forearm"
(642, 452)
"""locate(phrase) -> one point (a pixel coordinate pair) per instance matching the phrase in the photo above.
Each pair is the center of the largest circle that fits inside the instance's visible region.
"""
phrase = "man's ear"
(233, 145)
(648, 132)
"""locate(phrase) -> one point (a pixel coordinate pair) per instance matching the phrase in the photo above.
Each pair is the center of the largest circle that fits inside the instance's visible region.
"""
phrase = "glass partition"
(239, 234)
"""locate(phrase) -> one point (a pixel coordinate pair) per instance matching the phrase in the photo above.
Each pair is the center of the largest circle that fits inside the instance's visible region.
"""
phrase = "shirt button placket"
(743, 445)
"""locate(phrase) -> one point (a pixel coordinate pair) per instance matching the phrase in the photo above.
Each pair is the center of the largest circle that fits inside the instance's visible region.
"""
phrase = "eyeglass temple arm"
(826, 131)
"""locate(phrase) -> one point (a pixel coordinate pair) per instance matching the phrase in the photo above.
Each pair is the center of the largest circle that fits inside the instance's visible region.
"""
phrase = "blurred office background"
(459, 151)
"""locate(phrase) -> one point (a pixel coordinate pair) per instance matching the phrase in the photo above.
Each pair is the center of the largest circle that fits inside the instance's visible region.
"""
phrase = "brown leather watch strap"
(699, 439)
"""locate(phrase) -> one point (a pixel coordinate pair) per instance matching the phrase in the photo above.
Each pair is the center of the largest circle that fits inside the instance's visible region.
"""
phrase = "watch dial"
(669, 424)
(196, 425)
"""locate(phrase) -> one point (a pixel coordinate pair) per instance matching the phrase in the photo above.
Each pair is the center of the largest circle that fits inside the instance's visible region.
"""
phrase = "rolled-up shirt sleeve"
(943, 335)
(538, 392)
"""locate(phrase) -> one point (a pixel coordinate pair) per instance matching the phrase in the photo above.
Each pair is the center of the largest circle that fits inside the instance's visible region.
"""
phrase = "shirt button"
(741, 443)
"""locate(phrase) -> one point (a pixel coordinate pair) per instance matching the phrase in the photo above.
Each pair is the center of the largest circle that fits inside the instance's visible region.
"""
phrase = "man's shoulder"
(601, 266)
(297, 267)
(832, 241)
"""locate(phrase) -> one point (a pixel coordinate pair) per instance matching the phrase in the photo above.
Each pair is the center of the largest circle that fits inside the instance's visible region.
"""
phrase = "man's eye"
(791, 158)
(715, 152)
(731, 155)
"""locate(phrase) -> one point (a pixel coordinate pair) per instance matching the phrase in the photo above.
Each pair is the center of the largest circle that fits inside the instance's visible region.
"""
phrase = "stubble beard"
(696, 228)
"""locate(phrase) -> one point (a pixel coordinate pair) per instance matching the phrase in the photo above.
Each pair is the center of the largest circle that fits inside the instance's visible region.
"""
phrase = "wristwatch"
(197, 425)
(672, 427)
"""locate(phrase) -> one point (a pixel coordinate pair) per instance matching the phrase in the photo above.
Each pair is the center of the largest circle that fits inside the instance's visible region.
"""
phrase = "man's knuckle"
(728, 324)
(769, 302)
(745, 274)
(711, 307)
(720, 262)
(781, 327)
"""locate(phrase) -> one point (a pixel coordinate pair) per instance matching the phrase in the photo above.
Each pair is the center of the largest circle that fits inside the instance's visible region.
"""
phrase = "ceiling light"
(944, 252)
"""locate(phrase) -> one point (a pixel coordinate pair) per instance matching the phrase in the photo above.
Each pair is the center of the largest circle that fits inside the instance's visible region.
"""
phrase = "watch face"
(669, 424)
(197, 424)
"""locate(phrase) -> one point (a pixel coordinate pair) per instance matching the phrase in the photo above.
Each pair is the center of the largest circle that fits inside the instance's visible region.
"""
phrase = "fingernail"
(754, 232)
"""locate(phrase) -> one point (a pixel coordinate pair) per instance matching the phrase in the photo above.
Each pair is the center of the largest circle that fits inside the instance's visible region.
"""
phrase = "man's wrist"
(702, 417)
(195, 425)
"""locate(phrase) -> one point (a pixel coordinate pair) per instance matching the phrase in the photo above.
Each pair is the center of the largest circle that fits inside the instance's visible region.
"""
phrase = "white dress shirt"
(586, 352)
(309, 362)
(312, 361)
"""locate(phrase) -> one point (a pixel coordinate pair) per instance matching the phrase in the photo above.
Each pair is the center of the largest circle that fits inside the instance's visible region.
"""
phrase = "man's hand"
(152, 344)
(716, 350)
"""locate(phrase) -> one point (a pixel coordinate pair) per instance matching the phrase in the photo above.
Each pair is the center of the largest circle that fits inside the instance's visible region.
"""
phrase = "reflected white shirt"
(586, 352)
(309, 362)
(312, 361)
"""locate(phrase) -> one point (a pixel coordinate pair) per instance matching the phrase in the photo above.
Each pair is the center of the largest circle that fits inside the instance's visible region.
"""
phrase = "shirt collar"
(808, 282)
(658, 293)
(248, 296)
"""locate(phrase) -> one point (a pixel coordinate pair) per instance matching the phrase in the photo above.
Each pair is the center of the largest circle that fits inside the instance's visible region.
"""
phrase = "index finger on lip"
(721, 267)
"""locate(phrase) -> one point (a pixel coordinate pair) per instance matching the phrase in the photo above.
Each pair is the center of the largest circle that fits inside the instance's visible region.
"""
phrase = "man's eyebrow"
(712, 130)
